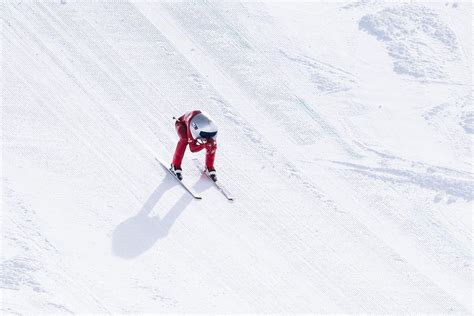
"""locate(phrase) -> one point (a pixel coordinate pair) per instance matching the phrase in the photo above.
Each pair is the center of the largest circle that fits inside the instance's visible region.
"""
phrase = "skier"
(197, 130)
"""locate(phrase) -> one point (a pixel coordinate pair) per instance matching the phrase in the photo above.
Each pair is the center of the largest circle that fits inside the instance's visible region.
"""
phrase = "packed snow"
(345, 136)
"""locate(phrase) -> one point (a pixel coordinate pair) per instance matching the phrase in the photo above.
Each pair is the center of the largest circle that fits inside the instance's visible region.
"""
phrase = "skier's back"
(196, 129)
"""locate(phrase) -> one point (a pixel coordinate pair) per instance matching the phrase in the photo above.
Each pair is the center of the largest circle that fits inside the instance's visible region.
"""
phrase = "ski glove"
(201, 141)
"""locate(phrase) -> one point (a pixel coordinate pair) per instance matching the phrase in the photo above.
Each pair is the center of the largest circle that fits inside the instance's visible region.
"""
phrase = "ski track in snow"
(418, 41)
(329, 215)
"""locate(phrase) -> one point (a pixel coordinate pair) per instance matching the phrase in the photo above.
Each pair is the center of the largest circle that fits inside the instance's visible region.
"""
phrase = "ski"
(219, 187)
(193, 194)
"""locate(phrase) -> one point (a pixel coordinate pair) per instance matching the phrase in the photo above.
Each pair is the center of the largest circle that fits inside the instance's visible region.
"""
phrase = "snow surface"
(345, 136)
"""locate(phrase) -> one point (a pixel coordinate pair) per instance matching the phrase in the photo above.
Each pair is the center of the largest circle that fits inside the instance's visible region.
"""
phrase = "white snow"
(345, 136)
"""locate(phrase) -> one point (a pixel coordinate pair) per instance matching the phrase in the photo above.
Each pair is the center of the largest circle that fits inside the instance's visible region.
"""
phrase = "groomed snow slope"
(345, 136)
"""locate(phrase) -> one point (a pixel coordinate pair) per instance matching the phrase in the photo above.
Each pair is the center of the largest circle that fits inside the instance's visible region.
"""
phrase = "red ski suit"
(186, 138)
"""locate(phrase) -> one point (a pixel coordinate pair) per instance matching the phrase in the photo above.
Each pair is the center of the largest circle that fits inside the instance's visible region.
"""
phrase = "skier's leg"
(211, 155)
(181, 146)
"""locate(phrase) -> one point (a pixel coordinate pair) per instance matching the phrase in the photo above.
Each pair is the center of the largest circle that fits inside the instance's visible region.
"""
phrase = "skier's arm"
(193, 146)
(209, 144)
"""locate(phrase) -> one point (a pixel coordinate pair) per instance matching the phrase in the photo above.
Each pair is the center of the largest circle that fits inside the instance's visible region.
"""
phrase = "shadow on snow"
(139, 233)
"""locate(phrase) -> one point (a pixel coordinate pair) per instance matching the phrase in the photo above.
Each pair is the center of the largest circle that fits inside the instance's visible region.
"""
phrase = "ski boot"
(177, 172)
(212, 174)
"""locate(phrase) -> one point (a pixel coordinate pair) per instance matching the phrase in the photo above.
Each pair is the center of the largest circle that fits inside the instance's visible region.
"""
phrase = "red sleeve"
(195, 147)
(190, 135)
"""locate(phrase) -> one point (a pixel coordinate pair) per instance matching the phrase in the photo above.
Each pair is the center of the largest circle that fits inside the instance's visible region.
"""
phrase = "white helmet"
(202, 126)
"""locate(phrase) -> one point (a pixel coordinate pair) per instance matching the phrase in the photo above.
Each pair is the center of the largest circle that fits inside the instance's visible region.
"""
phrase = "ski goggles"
(207, 135)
